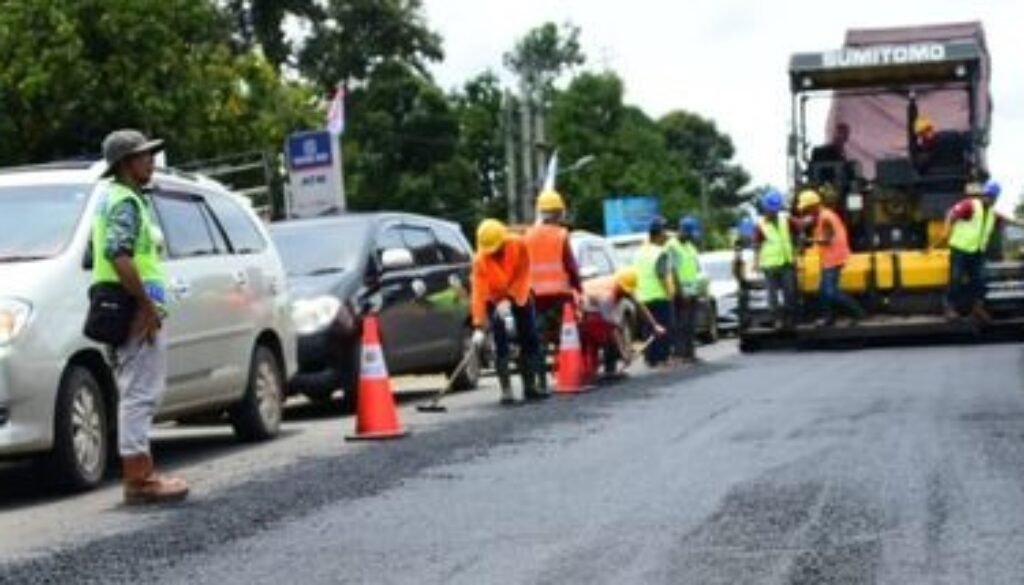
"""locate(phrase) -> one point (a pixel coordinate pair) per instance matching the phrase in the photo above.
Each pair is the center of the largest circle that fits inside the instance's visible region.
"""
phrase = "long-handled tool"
(435, 404)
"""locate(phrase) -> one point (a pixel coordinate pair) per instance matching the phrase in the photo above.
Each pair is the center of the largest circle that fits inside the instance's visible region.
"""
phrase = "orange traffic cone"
(376, 415)
(572, 371)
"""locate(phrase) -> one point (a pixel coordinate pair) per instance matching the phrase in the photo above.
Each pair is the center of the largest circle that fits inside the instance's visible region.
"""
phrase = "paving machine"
(892, 196)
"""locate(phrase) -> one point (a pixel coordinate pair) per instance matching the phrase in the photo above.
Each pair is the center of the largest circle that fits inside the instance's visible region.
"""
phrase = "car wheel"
(712, 334)
(469, 378)
(81, 432)
(748, 345)
(258, 416)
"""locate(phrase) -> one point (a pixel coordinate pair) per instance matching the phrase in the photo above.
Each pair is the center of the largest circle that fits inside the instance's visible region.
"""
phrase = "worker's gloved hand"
(479, 338)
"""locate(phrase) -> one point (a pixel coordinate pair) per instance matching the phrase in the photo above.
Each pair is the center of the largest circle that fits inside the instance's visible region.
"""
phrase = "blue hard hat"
(993, 189)
(658, 225)
(689, 225)
(772, 201)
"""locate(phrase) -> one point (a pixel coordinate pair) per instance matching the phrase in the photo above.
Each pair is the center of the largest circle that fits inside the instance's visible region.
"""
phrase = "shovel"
(435, 404)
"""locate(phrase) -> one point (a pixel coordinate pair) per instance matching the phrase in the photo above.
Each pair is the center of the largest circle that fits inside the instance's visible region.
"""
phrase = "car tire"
(469, 378)
(712, 334)
(748, 345)
(81, 441)
(257, 417)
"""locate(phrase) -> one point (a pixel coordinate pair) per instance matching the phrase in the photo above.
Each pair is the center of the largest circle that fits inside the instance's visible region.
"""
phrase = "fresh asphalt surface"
(899, 465)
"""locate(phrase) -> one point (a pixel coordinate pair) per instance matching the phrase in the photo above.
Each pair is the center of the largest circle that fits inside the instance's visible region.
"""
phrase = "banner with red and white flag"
(336, 113)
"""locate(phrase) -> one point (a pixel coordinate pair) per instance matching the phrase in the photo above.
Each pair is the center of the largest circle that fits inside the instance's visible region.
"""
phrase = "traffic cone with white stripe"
(376, 414)
(572, 370)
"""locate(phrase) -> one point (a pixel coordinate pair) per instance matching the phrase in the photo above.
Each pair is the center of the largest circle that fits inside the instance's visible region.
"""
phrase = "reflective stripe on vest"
(546, 244)
(650, 286)
(836, 253)
(147, 253)
(687, 264)
(777, 243)
(973, 235)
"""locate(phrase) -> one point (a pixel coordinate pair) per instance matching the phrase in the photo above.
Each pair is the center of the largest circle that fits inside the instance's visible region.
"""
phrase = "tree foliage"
(544, 54)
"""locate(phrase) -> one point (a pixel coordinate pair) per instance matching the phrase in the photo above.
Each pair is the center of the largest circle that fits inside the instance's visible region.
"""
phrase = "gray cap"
(120, 144)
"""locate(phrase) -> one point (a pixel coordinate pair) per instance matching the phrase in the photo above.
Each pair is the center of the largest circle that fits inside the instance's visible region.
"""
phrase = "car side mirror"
(394, 259)
(588, 272)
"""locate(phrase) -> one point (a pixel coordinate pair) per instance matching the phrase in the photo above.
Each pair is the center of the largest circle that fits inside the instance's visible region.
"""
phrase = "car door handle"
(180, 287)
(241, 279)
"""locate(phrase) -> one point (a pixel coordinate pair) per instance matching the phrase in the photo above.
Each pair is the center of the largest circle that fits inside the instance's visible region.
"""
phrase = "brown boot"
(142, 485)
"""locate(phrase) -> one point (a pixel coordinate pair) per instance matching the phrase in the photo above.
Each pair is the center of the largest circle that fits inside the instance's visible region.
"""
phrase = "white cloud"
(727, 59)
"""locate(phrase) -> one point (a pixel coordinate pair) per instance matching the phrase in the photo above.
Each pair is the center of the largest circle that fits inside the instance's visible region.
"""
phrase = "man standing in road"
(553, 272)
(126, 245)
(656, 289)
(686, 260)
(501, 274)
(830, 237)
(774, 255)
(968, 230)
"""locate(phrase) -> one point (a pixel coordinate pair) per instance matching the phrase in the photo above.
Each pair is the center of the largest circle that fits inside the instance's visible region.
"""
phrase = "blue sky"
(727, 59)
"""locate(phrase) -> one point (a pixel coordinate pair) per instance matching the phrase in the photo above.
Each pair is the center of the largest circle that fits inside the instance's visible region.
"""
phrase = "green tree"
(544, 54)
(479, 107)
(261, 23)
(355, 36)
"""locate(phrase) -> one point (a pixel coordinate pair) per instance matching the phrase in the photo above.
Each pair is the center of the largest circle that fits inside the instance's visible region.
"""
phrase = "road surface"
(901, 465)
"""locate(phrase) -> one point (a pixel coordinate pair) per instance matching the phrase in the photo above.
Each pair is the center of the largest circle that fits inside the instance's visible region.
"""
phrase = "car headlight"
(14, 316)
(312, 315)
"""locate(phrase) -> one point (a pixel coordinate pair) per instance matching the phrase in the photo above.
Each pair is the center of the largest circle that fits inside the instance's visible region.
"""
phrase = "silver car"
(231, 339)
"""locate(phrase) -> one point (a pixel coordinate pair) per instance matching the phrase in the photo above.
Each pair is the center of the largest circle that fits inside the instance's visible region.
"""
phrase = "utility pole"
(511, 168)
(527, 138)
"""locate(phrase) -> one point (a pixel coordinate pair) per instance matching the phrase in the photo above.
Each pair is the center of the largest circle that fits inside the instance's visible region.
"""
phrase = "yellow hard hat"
(627, 279)
(808, 198)
(550, 201)
(490, 236)
(923, 124)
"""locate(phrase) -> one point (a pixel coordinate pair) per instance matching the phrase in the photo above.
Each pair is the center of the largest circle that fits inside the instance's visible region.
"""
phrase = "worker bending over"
(501, 274)
(603, 322)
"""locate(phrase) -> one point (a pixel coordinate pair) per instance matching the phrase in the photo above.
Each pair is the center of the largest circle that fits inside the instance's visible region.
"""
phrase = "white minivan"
(230, 334)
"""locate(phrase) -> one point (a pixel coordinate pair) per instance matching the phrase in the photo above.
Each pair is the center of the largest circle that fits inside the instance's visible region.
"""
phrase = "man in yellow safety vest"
(968, 230)
(774, 255)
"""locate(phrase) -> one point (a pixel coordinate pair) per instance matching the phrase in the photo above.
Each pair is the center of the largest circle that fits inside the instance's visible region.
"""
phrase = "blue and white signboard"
(629, 215)
(314, 169)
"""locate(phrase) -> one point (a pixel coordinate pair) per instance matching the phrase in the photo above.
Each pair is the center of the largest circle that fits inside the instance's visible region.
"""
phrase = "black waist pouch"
(111, 314)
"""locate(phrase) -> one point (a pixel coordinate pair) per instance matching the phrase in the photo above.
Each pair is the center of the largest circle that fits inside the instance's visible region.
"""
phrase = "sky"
(727, 59)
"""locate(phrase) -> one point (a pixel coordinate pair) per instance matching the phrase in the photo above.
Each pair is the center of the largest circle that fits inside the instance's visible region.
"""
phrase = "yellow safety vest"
(650, 286)
(972, 236)
(777, 244)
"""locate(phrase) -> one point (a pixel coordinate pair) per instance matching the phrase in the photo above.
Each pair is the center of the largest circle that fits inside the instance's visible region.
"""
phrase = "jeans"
(525, 318)
(833, 297)
(782, 281)
(686, 327)
(962, 296)
(658, 351)
(141, 372)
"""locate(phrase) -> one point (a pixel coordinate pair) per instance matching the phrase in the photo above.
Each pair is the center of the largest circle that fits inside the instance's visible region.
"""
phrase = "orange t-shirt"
(501, 276)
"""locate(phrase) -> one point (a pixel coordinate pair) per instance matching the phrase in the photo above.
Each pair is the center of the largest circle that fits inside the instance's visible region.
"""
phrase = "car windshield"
(625, 252)
(718, 269)
(36, 222)
(321, 248)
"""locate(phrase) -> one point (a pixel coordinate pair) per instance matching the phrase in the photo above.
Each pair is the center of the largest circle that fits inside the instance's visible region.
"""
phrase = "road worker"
(603, 324)
(968, 230)
(554, 274)
(501, 274)
(656, 289)
(831, 239)
(775, 256)
(686, 261)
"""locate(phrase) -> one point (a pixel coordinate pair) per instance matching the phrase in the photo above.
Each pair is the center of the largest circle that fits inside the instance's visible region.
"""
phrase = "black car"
(413, 271)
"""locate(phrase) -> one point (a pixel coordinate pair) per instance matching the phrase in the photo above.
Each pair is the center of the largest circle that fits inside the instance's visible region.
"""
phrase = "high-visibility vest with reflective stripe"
(835, 253)
(687, 264)
(650, 286)
(972, 235)
(776, 244)
(546, 244)
(147, 251)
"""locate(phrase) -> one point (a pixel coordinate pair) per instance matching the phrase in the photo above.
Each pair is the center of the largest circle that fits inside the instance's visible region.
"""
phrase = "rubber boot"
(143, 485)
(540, 370)
(505, 382)
(529, 379)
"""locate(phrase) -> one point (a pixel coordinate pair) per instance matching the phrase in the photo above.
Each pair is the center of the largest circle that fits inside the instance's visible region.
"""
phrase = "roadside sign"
(629, 215)
(314, 169)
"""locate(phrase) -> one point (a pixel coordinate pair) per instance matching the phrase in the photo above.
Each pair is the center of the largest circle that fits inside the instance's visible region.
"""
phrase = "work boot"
(505, 382)
(526, 371)
(142, 485)
(540, 369)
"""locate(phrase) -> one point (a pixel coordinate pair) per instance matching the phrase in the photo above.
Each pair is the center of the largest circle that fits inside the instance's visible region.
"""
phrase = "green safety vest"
(777, 245)
(650, 286)
(972, 236)
(687, 264)
(147, 253)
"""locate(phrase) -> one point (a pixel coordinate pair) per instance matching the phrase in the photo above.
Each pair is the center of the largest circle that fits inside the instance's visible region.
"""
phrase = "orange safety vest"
(546, 244)
(498, 278)
(835, 254)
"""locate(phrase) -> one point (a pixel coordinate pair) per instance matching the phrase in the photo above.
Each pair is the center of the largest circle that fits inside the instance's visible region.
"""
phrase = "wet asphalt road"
(901, 465)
